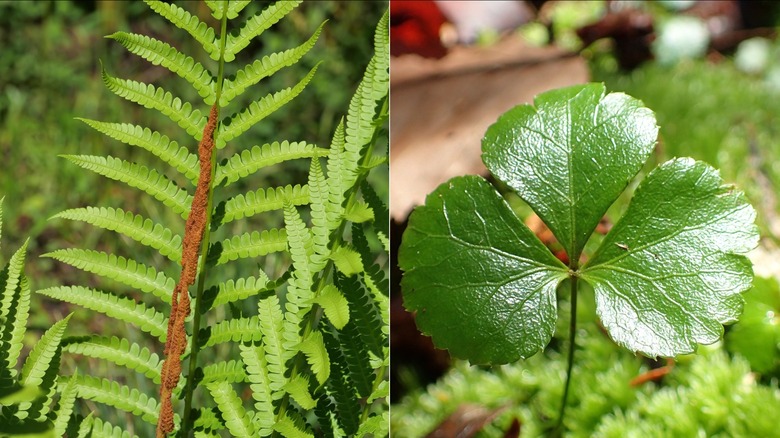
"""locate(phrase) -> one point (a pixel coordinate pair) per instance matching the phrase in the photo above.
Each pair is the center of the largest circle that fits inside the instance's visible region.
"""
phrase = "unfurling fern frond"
(291, 357)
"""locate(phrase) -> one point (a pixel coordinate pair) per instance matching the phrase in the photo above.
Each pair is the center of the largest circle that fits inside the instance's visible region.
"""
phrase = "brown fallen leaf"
(441, 109)
(465, 422)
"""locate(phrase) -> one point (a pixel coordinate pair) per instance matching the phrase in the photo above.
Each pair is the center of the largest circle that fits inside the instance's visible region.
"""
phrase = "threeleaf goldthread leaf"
(666, 277)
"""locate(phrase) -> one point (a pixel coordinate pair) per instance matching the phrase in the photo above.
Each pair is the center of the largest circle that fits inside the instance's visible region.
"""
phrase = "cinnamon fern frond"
(284, 328)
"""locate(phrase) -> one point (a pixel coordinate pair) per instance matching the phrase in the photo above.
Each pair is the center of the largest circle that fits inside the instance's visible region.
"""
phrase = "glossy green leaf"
(482, 284)
(670, 273)
(666, 277)
(571, 155)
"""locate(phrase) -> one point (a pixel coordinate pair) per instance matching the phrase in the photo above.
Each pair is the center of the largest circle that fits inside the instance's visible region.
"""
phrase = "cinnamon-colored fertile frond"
(176, 342)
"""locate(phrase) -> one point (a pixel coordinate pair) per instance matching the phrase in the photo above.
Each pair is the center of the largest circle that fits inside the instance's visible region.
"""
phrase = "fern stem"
(186, 425)
(570, 359)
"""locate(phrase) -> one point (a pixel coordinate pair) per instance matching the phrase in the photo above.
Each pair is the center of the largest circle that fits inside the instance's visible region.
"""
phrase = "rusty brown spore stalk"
(176, 341)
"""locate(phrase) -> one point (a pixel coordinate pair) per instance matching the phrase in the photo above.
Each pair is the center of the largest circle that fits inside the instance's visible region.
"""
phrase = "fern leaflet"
(160, 53)
(128, 272)
(248, 162)
(131, 225)
(184, 20)
(256, 25)
(123, 309)
(135, 175)
(265, 67)
(240, 122)
(118, 351)
(149, 96)
(260, 201)
(160, 145)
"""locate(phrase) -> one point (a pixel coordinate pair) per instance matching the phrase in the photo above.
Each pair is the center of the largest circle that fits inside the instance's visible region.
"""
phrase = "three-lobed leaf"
(666, 277)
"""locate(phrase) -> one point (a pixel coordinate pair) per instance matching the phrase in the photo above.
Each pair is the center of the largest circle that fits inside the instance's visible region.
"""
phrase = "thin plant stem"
(572, 347)
(202, 268)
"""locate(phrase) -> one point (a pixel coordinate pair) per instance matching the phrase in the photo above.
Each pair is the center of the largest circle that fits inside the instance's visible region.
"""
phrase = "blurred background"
(50, 74)
(710, 70)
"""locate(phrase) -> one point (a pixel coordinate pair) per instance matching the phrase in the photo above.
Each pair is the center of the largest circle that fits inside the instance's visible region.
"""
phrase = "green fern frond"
(149, 96)
(126, 271)
(262, 200)
(135, 175)
(336, 172)
(334, 305)
(374, 277)
(231, 372)
(265, 67)
(85, 427)
(359, 212)
(322, 225)
(1, 218)
(65, 409)
(298, 388)
(255, 25)
(326, 419)
(375, 425)
(374, 87)
(232, 291)
(104, 429)
(160, 53)
(123, 309)
(253, 244)
(381, 214)
(10, 278)
(236, 419)
(43, 355)
(208, 423)
(300, 243)
(340, 386)
(232, 330)
(260, 384)
(184, 20)
(274, 342)
(169, 151)
(41, 369)
(118, 351)
(240, 122)
(347, 260)
(15, 327)
(235, 7)
(122, 397)
(248, 162)
(364, 315)
(131, 225)
(293, 428)
(313, 348)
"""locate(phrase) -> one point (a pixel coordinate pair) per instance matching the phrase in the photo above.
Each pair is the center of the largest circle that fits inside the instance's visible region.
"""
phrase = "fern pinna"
(26, 396)
(313, 358)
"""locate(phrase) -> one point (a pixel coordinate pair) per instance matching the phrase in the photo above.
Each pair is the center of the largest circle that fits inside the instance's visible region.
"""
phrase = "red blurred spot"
(414, 28)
